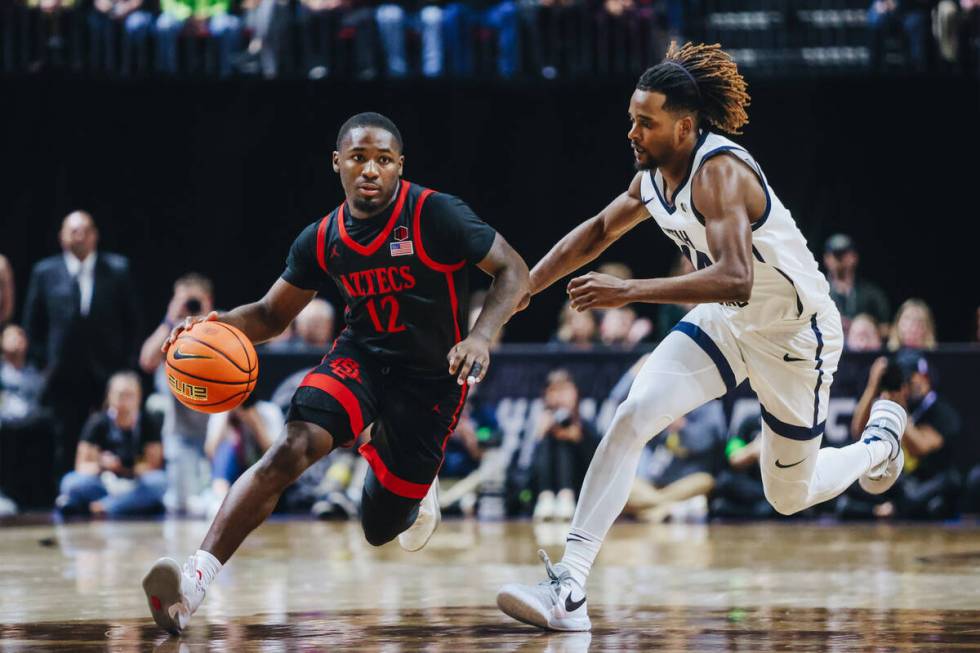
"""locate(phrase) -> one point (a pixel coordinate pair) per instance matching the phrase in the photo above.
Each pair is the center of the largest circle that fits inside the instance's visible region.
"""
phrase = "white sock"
(581, 548)
(207, 565)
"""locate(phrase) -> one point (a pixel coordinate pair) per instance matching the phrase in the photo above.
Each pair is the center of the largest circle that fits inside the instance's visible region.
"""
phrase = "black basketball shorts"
(411, 418)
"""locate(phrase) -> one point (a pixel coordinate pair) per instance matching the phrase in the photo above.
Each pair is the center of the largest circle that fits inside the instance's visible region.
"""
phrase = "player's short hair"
(370, 119)
(704, 80)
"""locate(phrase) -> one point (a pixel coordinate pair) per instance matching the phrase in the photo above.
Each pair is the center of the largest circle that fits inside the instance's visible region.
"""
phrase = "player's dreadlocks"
(703, 79)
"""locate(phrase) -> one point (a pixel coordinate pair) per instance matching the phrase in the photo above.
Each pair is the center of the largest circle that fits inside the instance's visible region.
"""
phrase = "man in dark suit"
(82, 319)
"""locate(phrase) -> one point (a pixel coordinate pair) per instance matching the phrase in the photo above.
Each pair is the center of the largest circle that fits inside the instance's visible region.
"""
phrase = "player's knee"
(785, 498)
(377, 529)
(635, 422)
(377, 536)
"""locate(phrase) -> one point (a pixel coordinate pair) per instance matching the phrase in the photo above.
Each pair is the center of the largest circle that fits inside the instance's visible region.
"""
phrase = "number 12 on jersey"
(389, 305)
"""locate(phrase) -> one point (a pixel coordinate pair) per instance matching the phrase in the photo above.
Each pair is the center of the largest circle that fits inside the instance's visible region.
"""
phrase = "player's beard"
(649, 164)
(373, 206)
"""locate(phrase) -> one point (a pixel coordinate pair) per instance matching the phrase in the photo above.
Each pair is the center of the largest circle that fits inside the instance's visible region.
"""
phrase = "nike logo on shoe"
(782, 466)
(791, 359)
(873, 438)
(179, 355)
(572, 606)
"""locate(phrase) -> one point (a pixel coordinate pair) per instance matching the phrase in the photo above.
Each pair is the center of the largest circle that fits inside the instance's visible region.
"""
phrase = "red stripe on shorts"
(388, 479)
(341, 393)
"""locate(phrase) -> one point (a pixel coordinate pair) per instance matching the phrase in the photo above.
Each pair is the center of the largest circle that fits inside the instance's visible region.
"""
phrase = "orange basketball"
(212, 367)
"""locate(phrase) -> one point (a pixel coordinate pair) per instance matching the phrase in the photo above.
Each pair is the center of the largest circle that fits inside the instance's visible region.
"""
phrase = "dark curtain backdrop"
(219, 177)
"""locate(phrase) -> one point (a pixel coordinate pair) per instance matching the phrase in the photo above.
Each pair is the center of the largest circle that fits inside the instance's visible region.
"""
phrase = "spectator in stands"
(852, 294)
(20, 381)
(576, 328)
(21, 415)
(462, 20)
(391, 19)
(184, 429)
(7, 296)
(236, 439)
(82, 321)
(358, 26)
(930, 482)
(908, 20)
(970, 35)
(318, 22)
(268, 23)
(863, 334)
(58, 29)
(314, 324)
(629, 33)
(678, 466)
(106, 19)
(211, 18)
(565, 445)
(915, 327)
(119, 466)
(668, 315)
(621, 328)
(738, 491)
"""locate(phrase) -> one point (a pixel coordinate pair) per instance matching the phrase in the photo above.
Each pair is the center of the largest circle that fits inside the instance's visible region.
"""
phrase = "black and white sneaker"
(554, 604)
(887, 423)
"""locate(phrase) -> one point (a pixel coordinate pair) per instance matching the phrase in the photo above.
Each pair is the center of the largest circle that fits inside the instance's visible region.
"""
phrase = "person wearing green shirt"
(203, 17)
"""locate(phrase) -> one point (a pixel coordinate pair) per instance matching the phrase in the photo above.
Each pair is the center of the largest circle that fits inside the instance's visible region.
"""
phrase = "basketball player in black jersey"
(400, 369)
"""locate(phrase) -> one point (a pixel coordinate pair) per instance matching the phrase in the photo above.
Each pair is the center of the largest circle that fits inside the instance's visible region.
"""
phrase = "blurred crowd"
(360, 39)
(368, 39)
(84, 396)
(925, 34)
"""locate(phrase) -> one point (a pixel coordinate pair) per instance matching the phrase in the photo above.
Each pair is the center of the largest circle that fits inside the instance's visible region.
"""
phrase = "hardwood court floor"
(314, 586)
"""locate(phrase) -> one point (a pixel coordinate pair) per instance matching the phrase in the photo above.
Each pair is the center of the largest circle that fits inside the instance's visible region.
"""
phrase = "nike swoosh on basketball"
(572, 606)
(791, 359)
(782, 466)
(179, 355)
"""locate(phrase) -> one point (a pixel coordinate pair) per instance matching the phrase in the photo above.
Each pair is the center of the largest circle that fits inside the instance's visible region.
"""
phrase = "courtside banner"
(514, 385)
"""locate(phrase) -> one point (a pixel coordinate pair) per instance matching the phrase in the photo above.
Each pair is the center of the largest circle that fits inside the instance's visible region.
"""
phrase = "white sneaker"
(173, 594)
(887, 422)
(565, 506)
(426, 522)
(551, 604)
(544, 507)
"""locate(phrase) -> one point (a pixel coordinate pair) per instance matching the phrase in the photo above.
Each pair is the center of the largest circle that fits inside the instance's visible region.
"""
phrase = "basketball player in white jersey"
(763, 313)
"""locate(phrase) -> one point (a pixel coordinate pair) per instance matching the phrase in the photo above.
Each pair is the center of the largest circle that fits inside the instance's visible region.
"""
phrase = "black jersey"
(402, 273)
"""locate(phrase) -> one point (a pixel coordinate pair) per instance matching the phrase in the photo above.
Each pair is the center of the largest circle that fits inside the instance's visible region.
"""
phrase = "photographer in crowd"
(184, 429)
(930, 482)
(566, 443)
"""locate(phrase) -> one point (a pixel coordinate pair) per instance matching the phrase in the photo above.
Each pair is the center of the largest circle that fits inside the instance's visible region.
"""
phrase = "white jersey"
(787, 283)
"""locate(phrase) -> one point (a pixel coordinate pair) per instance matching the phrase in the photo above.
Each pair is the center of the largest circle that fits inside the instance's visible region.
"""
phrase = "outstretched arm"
(585, 242)
(728, 194)
(508, 294)
(261, 320)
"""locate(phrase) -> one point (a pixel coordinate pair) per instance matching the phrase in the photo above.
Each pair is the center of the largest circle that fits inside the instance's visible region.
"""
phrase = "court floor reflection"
(314, 586)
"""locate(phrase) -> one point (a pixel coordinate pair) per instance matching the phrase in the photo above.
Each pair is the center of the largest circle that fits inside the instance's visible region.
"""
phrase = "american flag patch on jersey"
(404, 248)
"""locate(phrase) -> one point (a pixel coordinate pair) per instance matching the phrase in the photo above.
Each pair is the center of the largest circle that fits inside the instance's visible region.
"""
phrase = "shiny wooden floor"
(314, 586)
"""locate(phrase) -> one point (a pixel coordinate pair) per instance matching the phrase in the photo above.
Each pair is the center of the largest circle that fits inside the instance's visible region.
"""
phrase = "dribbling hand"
(185, 326)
